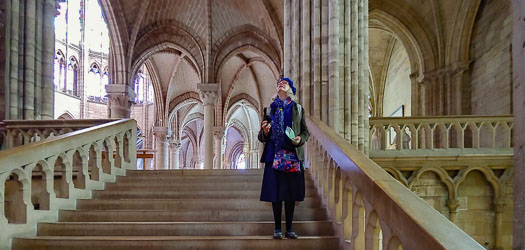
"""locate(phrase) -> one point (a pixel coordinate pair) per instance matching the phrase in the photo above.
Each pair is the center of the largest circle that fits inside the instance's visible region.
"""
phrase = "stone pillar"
(120, 97)
(333, 65)
(499, 204)
(355, 72)
(29, 59)
(306, 52)
(324, 61)
(296, 43)
(48, 55)
(175, 146)
(254, 159)
(361, 77)
(518, 63)
(288, 22)
(453, 209)
(13, 85)
(316, 59)
(161, 147)
(209, 96)
(218, 134)
(366, 79)
(38, 58)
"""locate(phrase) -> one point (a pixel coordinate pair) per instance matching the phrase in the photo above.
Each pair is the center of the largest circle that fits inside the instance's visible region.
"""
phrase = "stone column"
(48, 55)
(361, 77)
(120, 97)
(209, 96)
(518, 57)
(288, 22)
(218, 134)
(175, 146)
(29, 59)
(355, 73)
(333, 65)
(161, 147)
(13, 51)
(296, 43)
(499, 205)
(453, 209)
(316, 59)
(306, 70)
(38, 58)
(254, 159)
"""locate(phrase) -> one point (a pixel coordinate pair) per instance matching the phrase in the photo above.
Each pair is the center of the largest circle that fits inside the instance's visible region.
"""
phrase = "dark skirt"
(281, 186)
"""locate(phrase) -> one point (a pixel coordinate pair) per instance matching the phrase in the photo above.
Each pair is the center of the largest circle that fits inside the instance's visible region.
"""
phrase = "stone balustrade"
(21, 132)
(370, 208)
(38, 179)
(445, 135)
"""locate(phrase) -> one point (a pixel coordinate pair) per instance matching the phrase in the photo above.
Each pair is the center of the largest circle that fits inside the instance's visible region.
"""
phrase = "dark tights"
(277, 211)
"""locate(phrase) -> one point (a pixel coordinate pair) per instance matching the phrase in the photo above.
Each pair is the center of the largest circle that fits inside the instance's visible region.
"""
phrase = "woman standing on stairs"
(284, 133)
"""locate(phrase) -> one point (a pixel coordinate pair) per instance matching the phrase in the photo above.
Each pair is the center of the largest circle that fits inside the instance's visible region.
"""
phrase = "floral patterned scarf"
(278, 107)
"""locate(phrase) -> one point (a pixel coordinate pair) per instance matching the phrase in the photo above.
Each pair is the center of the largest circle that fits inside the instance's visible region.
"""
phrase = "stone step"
(204, 214)
(188, 186)
(175, 242)
(303, 228)
(194, 178)
(180, 204)
(190, 179)
(190, 172)
(173, 194)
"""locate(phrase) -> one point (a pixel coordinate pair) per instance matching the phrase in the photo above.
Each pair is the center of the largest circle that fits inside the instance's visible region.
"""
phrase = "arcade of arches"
(196, 76)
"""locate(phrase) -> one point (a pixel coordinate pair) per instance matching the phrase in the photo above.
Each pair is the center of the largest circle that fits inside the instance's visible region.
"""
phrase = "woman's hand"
(296, 140)
(265, 126)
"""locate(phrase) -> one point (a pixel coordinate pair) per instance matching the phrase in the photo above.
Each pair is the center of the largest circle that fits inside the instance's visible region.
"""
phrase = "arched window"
(72, 77)
(59, 70)
(93, 83)
(143, 87)
(241, 162)
(139, 87)
(105, 81)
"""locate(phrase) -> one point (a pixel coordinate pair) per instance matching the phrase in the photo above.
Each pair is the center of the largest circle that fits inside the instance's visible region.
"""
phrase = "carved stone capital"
(453, 205)
(499, 205)
(160, 132)
(208, 93)
(175, 145)
(120, 98)
(218, 132)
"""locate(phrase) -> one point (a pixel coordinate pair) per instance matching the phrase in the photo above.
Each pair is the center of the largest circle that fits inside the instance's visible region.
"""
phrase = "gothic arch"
(421, 59)
(161, 45)
(246, 36)
(66, 116)
(443, 177)
(486, 171)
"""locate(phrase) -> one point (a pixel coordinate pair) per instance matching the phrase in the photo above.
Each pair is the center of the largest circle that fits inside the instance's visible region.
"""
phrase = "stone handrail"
(21, 132)
(371, 209)
(27, 198)
(441, 135)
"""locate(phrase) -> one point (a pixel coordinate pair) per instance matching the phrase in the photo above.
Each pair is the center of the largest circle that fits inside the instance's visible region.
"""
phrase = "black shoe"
(277, 234)
(291, 235)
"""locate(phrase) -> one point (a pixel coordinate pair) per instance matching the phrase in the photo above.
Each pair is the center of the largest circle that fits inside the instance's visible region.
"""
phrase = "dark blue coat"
(277, 185)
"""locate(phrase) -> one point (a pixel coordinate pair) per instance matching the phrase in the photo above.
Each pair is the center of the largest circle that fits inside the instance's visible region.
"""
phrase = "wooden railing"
(22, 132)
(36, 180)
(370, 208)
(445, 135)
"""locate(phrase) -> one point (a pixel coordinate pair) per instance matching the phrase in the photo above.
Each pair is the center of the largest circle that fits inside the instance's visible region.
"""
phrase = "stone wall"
(490, 53)
(474, 193)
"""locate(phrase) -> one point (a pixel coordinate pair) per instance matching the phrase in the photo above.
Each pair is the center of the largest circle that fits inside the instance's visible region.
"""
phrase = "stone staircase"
(183, 209)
